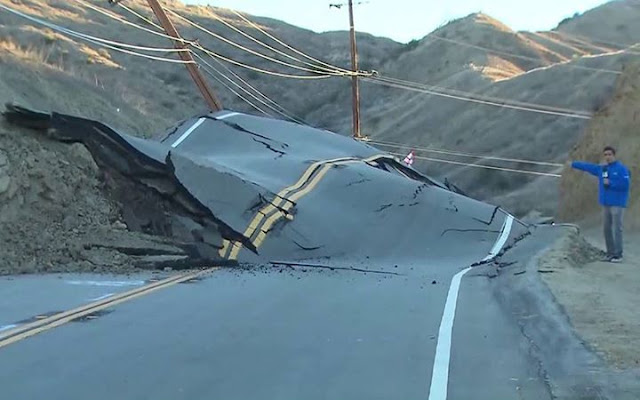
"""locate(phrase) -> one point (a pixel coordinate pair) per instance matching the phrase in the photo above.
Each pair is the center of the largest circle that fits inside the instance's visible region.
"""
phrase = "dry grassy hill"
(616, 125)
(43, 69)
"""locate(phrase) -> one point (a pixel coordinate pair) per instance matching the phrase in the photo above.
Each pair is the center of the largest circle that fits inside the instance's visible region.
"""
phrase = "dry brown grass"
(618, 124)
(53, 10)
(487, 20)
(499, 69)
(30, 53)
(100, 56)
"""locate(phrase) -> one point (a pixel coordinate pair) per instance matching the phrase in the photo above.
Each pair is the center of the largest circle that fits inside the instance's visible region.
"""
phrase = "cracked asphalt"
(341, 292)
(278, 333)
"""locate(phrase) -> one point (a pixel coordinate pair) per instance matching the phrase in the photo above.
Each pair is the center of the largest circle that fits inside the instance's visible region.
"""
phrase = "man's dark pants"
(613, 230)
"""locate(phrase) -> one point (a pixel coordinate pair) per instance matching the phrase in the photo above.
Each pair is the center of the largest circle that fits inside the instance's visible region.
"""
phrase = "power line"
(566, 63)
(476, 96)
(234, 83)
(248, 50)
(96, 40)
(241, 97)
(285, 112)
(123, 20)
(208, 67)
(491, 167)
(445, 92)
(261, 70)
(462, 154)
(287, 46)
(269, 47)
(387, 81)
(204, 49)
(592, 41)
(102, 42)
(280, 110)
(470, 97)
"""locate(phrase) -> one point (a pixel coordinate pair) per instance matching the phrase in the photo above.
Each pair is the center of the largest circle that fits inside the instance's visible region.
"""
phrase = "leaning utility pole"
(355, 89)
(197, 77)
(211, 99)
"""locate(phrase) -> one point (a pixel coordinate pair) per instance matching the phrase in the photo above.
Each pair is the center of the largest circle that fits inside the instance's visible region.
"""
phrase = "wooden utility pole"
(211, 99)
(355, 88)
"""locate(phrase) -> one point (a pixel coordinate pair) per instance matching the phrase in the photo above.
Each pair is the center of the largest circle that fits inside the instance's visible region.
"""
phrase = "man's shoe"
(616, 260)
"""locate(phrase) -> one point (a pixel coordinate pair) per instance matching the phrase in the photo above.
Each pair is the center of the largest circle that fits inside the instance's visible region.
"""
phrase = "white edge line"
(440, 371)
(188, 132)
(7, 327)
(102, 297)
(502, 239)
(107, 283)
(227, 115)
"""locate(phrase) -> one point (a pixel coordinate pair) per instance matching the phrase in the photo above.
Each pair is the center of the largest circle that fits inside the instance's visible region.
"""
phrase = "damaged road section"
(229, 187)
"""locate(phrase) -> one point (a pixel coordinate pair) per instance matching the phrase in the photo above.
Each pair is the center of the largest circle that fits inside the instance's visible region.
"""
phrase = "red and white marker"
(409, 158)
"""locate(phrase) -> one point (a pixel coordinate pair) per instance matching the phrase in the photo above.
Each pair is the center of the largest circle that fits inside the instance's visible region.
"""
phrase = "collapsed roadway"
(375, 255)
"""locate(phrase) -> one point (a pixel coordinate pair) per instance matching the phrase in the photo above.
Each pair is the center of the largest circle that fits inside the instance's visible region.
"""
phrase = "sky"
(405, 20)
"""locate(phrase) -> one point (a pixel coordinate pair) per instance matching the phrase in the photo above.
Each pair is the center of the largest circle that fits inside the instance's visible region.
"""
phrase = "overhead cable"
(287, 46)
(496, 103)
(477, 96)
(232, 90)
(491, 167)
(125, 21)
(275, 50)
(461, 154)
(99, 41)
(283, 111)
(234, 83)
(248, 50)
(197, 46)
(278, 108)
(595, 41)
(566, 63)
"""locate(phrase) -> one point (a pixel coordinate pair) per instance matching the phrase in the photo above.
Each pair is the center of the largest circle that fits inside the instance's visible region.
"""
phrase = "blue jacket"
(616, 194)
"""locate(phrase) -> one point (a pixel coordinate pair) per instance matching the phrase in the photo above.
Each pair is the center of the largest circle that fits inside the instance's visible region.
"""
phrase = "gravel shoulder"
(601, 299)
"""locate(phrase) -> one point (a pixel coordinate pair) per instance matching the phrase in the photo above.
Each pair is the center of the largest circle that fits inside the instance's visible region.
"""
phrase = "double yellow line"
(33, 328)
(284, 201)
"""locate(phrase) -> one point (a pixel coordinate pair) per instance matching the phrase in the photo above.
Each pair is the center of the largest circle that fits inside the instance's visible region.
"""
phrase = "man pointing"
(614, 183)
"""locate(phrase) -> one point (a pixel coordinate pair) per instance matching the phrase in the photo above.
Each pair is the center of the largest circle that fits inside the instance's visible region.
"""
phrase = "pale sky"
(404, 20)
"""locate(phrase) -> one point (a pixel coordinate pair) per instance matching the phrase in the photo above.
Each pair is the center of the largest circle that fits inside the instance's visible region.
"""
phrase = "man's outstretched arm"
(593, 169)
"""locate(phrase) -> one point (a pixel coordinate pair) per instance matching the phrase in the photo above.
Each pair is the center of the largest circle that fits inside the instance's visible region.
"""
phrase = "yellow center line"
(276, 216)
(281, 197)
(283, 204)
(56, 320)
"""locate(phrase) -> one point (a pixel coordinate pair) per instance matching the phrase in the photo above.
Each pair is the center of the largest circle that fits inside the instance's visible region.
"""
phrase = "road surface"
(272, 333)
(358, 278)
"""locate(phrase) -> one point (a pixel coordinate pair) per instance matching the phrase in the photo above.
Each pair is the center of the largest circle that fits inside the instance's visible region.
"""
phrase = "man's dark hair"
(611, 149)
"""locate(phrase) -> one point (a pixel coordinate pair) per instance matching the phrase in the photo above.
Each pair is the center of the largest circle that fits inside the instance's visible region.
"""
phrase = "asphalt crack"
(383, 207)
(319, 266)
(444, 232)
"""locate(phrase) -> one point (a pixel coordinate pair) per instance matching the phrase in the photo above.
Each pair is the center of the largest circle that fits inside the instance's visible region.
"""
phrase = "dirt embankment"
(618, 125)
(54, 215)
(600, 298)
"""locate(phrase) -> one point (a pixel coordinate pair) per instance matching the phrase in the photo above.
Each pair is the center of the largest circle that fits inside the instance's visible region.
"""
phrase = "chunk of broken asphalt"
(433, 282)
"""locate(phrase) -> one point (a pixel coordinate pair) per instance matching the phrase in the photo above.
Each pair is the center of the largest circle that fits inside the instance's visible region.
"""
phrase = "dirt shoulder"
(601, 299)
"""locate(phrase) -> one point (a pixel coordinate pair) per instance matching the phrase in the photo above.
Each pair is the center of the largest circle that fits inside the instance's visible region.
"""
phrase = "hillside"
(616, 125)
(46, 70)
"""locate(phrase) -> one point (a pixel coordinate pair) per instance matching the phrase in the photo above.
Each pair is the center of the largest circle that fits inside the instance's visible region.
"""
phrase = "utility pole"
(355, 89)
(355, 85)
(211, 99)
